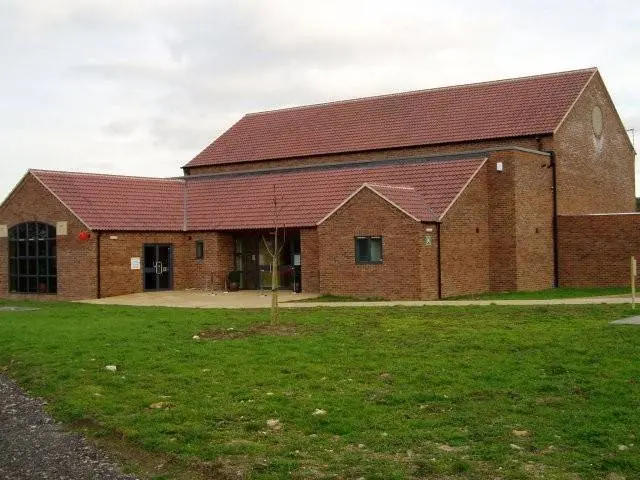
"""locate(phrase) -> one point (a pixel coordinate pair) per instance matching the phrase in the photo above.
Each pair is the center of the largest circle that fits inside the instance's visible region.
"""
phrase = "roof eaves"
(370, 187)
(464, 187)
(613, 105)
(384, 197)
(575, 100)
(342, 204)
(458, 155)
(13, 190)
(33, 172)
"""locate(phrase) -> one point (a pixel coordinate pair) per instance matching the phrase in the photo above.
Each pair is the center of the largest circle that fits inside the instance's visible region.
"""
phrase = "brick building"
(428, 194)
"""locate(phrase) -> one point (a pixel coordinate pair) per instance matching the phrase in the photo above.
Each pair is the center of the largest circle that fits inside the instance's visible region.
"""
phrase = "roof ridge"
(35, 171)
(399, 187)
(425, 90)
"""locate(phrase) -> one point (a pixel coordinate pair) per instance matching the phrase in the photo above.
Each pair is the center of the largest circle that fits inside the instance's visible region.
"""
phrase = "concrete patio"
(201, 299)
(288, 299)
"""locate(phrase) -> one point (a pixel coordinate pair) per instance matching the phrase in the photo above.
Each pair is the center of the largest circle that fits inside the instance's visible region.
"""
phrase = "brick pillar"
(309, 253)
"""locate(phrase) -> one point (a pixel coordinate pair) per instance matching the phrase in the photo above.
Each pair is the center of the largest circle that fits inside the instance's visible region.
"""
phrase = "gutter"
(556, 272)
(98, 294)
(439, 264)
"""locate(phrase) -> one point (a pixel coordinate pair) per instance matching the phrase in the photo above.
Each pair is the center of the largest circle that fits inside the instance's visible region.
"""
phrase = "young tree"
(274, 250)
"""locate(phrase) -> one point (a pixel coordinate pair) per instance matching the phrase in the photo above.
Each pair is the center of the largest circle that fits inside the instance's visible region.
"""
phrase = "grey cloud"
(120, 128)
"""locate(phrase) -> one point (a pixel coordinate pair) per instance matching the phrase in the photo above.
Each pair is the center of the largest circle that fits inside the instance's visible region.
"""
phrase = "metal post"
(633, 282)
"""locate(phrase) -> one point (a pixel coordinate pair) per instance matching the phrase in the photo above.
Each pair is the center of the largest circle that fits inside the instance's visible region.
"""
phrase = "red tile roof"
(408, 199)
(421, 188)
(306, 196)
(500, 109)
(114, 202)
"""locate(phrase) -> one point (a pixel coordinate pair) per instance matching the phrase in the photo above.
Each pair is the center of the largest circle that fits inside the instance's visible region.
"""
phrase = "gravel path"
(33, 446)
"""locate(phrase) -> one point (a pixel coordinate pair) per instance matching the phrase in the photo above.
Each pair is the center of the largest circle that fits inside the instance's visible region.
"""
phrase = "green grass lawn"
(551, 293)
(446, 392)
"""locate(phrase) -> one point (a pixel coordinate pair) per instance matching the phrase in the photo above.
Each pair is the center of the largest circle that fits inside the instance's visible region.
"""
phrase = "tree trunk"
(275, 314)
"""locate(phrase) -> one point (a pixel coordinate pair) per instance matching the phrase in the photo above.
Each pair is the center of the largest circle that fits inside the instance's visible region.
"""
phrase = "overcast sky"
(139, 87)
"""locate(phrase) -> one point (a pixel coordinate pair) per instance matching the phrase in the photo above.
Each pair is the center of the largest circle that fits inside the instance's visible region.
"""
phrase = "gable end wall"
(594, 175)
(405, 258)
(76, 259)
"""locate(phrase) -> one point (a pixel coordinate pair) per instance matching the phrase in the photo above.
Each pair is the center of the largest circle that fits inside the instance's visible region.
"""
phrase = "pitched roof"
(105, 202)
(422, 189)
(307, 196)
(499, 109)
(406, 199)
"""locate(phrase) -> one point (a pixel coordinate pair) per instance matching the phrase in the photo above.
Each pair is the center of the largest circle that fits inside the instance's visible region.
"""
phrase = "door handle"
(158, 268)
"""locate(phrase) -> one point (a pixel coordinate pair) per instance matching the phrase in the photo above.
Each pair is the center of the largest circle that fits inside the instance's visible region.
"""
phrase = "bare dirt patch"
(273, 330)
(147, 464)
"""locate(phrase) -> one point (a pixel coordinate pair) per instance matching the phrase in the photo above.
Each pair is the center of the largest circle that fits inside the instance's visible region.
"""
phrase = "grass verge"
(551, 293)
(447, 392)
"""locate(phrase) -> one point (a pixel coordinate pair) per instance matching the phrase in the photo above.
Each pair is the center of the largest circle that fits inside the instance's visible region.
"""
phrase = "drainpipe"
(98, 264)
(439, 263)
(556, 274)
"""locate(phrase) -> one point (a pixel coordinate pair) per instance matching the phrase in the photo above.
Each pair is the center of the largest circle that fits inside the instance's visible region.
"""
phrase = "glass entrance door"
(157, 267)
(253, 261)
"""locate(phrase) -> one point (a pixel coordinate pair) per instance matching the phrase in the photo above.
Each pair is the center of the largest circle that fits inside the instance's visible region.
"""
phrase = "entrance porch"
(253, 261)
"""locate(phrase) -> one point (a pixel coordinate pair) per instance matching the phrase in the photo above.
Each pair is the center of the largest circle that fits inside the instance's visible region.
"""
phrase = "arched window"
(32, 258)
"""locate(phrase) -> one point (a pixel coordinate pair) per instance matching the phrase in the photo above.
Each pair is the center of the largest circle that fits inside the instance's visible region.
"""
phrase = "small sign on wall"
(135, 263)
(61, 228)
(427, 240)
(4, 231)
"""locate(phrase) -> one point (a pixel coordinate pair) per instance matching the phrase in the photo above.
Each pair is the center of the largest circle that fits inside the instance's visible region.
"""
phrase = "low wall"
(594, 250)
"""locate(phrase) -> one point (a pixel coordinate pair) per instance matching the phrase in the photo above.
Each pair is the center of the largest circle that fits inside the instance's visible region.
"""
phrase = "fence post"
(633, 282)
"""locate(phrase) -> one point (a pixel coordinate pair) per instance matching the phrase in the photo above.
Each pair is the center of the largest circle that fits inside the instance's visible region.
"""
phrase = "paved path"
(463, 303)
(256, 299)
(200, 299)
(33, 446)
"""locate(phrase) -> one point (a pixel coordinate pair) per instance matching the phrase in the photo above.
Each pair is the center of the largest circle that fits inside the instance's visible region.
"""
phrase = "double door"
(157, 267)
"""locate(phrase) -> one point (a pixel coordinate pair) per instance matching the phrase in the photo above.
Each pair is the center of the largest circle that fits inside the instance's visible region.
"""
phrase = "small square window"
(368, 249)
(199, 250)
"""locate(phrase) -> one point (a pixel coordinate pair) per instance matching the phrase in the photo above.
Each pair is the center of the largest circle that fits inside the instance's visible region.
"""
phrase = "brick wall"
(595, 250)
(594, 175)
(502, 223)
(429, 268)
(525, 142)
(76, 259)
(210, 272)
(400, 274)
(533, 185)
(498, 235)
(117, 249)
(309, 250)
(465, 241)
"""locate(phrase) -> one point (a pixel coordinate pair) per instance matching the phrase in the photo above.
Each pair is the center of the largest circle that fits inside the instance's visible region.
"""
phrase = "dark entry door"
(157, 267)
(251, 271)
